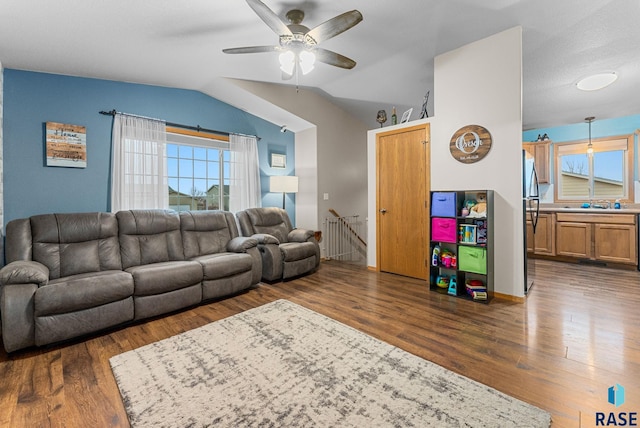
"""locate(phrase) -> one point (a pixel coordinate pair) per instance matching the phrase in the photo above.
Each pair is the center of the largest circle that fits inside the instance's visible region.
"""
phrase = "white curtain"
(139, 164)
(244, 189)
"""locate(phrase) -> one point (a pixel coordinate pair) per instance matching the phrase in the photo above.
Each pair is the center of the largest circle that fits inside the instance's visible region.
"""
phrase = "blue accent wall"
(618, 126)
(31, 99)
(580, 131)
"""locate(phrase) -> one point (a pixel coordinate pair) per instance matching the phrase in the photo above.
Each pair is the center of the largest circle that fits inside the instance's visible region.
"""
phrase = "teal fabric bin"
(472, 259)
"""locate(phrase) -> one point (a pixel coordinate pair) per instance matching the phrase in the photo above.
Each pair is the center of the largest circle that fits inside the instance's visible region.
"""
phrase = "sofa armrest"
(24, 272)
(18, 315)
(265, 238)
(300, 235)
(241, 244)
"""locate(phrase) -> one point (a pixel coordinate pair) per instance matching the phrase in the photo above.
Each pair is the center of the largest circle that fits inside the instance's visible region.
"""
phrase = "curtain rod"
(178, 125)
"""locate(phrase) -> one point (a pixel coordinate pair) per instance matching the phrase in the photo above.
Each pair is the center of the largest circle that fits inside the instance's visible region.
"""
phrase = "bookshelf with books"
(462, 244)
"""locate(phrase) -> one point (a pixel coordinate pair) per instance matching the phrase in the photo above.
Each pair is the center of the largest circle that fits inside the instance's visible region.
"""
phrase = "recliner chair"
(286, 252)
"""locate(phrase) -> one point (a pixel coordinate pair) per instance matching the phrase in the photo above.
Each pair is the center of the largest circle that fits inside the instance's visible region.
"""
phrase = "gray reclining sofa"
(73, 274)
(286, 252)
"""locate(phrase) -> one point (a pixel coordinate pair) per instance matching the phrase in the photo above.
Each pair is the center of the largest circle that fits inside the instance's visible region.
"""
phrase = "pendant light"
(589, 146)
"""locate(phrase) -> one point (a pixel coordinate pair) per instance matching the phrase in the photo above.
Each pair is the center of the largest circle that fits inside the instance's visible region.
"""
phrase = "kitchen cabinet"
(615, 243)
(573, 239)
(602, 237)
(530, 237)
(544, 240)
(541, 155)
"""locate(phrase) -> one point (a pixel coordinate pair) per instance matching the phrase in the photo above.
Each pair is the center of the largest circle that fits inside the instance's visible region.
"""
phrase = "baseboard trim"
(509, 297)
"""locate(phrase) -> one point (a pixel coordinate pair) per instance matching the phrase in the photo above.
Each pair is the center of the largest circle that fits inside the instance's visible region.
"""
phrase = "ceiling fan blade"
(333, 58)
(269, 17)
(251, 49)
(334, 26)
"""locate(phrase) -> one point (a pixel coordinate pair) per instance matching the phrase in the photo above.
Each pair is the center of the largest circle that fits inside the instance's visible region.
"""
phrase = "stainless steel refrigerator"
(531, 210)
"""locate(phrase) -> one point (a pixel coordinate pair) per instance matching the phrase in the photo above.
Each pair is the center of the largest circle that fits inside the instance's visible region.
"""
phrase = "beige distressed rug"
(282, 365)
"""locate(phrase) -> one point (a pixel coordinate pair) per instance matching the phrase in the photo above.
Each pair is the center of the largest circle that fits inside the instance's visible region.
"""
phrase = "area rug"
(282, 365)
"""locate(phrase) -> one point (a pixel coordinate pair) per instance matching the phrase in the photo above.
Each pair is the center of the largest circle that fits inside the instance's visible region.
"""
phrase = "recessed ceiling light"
(597, 81)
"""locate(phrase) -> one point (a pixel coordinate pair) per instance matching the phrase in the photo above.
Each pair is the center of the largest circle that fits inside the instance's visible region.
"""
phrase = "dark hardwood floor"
(577, 334)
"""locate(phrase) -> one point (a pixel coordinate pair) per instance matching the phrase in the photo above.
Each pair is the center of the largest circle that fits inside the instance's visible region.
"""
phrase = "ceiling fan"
(298, 45)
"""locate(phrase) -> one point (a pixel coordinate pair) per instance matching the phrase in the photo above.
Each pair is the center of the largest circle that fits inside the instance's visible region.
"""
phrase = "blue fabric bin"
(443, 204)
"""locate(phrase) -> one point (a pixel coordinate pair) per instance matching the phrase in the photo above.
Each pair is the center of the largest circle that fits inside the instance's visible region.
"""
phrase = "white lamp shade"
(283, 183)
(307, 61)
(287, 62)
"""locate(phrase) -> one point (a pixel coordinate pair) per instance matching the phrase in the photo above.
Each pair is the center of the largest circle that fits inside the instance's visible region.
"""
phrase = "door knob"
(383, 211)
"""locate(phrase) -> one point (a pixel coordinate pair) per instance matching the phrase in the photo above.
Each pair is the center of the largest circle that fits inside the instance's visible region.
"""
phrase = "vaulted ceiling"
(179, 44)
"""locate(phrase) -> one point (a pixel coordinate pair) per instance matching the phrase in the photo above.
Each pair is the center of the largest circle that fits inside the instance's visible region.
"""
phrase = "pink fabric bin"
(443, 229)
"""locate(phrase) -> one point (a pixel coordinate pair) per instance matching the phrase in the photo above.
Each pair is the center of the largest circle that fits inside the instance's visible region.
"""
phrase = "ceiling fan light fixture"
(287, 62)
(307, 61)
(297, 44)
(597, 81)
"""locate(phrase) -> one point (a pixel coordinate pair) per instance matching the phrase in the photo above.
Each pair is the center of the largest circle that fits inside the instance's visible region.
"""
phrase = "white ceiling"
(179, 44)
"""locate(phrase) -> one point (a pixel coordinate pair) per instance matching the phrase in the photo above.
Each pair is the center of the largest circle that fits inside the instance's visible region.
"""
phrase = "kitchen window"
(606, 174)
(198, 172)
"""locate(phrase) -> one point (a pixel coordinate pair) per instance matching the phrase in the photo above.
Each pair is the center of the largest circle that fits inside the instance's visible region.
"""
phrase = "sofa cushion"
(158, 304)
(216, 288)
(299, 267)
(149, 236)
(272, 221)
(82, 291)
(19, 240)
(206, 232)
(158, 278)
(57, 327)
(224, 265)
(70, 244)
(297, 251)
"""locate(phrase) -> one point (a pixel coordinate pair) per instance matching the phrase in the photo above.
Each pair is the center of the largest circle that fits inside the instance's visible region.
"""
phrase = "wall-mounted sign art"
(66, 145)
(470, 143)
(278, 160)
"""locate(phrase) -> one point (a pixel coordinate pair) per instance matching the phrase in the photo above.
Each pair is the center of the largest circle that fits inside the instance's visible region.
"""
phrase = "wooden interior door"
(403, 201)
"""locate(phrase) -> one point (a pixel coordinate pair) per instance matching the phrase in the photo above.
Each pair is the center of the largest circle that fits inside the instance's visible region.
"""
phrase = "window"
(198, 172)
(605, 174)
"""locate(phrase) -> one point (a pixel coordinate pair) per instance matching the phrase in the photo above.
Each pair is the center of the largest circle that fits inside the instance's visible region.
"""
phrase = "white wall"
(481, 83)
(340, 148)
(306, 168)
(1, 164)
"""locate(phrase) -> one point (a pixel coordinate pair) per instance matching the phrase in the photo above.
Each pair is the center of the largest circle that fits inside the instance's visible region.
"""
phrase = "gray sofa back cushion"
(19, 241)
(68, 244)
(149, 236)
(206, 232)
(273, 221)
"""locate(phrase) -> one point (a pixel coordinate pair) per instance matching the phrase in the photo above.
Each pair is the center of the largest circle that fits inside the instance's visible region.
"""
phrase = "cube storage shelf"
(461, 245)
